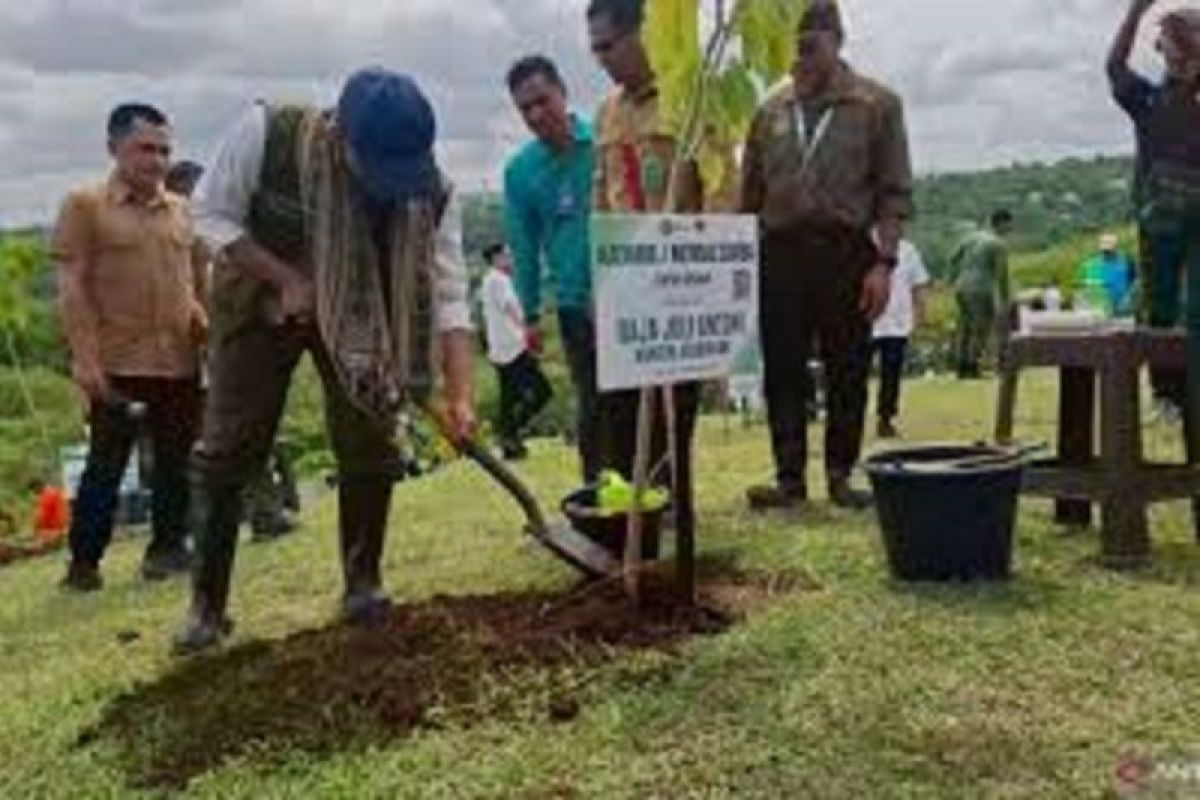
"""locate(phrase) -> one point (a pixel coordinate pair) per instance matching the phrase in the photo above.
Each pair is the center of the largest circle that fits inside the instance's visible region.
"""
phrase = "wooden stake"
(682, 509)
(641, 476)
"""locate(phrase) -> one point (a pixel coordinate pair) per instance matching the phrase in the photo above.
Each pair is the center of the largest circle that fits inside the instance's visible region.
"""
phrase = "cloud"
(983, 82)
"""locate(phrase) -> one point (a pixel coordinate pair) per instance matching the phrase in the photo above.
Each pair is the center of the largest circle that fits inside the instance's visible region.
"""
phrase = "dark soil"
(11, 553)
(443, 661)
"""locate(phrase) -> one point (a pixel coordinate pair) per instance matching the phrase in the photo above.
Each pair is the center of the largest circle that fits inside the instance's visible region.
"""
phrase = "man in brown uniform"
(132, 287)
(635, 155)
(827, 171)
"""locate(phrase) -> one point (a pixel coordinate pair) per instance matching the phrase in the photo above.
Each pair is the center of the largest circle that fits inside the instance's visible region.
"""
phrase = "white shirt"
(223, 199)
(910, 274)
(503, 317)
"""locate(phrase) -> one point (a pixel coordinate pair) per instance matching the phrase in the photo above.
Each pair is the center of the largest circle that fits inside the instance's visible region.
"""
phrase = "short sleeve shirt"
(142, 269)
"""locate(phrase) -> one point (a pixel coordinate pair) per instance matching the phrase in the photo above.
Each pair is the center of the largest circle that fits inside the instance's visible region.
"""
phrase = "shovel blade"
(571, 546)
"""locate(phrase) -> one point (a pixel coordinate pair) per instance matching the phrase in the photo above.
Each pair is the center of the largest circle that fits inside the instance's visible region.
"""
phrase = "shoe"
(1166, 412)
(843, 496)
(200, 634)
(268, 529)
(366, 608)
(83, 578)
(514, 452)
(887, 430)
(161, 566)
(778, 497)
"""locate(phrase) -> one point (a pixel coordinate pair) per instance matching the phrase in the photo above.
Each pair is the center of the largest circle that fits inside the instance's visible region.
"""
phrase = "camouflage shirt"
(842, 158)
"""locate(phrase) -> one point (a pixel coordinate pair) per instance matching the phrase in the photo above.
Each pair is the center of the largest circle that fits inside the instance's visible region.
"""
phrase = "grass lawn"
(854, 687)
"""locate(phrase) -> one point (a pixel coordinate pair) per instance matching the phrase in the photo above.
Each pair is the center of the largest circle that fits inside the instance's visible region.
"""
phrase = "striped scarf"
(376, 324)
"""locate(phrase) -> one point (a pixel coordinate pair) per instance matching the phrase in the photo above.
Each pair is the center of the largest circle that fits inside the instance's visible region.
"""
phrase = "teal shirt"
(1113, 274)
(547, 203)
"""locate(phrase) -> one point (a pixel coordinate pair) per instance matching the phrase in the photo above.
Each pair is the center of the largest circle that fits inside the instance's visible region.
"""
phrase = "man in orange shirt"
(132, 283)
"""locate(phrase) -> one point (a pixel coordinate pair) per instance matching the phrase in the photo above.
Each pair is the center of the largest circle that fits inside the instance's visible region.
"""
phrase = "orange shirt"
(143, 272)
(51, 516)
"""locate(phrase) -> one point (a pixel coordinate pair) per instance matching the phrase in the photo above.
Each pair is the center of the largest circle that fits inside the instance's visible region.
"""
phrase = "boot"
(218, 517)
(83, 578)
(843, 495)
(363, 506)
(267, 527)
(777, 497)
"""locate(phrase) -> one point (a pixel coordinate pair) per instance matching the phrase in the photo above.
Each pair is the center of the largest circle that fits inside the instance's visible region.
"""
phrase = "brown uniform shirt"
(143, 273)
(634, 155)
(850, 167)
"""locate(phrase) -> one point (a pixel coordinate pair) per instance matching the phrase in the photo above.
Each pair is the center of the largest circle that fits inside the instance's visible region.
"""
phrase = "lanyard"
(814, 143)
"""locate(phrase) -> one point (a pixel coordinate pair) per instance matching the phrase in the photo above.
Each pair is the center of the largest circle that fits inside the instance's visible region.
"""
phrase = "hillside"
(1053, 203)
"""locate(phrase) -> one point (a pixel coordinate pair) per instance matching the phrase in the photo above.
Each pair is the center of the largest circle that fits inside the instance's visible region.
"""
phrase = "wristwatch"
(891, 262)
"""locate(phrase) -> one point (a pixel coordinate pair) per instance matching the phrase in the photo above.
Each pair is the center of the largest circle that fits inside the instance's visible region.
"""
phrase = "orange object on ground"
(51, 515)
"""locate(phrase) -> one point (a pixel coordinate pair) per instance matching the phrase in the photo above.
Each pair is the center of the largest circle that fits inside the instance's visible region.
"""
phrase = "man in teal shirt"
(547, 198)
(1110, 275)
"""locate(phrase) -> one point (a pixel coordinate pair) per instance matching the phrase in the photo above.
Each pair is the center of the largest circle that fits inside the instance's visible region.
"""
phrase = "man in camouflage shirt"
(827, 171)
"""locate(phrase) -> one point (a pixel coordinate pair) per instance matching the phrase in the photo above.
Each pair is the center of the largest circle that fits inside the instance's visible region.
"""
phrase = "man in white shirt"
(905, 311)
(524, 390)
(336, 234)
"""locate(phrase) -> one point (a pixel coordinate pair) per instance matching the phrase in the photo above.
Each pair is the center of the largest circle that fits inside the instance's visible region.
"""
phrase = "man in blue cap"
(339, 236)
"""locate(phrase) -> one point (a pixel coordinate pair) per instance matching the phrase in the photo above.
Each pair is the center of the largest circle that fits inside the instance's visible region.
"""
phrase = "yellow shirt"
(634, 155)
(143, 273)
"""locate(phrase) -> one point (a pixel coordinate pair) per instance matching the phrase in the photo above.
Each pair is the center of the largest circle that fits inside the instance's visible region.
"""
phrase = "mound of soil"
(429, 663)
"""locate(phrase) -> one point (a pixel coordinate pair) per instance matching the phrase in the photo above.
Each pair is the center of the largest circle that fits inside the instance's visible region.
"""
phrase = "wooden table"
(1117, 477)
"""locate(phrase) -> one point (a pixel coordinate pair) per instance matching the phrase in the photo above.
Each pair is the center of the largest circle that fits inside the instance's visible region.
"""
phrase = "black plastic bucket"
(610, 531)
(943, 517)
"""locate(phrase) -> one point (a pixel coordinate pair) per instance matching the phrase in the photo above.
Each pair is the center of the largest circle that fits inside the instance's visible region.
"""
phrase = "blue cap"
(389, 126)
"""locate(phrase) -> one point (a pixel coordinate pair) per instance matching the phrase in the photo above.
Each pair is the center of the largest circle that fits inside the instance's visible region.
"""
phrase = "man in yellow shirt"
(635, 158)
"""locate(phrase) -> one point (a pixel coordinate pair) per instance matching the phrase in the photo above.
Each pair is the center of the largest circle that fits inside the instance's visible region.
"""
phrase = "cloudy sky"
(985, 82)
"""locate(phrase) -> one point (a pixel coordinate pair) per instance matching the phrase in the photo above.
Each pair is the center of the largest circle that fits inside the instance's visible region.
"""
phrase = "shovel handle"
(470, 448)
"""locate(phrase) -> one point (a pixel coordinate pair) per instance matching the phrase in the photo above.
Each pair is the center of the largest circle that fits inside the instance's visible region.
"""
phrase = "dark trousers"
(579, 343)
(811, 287)
(977, 325)
(172, 410)
(524, 392)
(251, 368)
(892, 351)
(1168, 251)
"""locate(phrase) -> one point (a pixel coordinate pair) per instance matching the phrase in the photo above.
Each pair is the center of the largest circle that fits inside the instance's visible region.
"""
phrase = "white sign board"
(676, 296)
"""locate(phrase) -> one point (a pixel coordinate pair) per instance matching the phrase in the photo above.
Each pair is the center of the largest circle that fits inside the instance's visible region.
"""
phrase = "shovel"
(559, 537)
(995, 459)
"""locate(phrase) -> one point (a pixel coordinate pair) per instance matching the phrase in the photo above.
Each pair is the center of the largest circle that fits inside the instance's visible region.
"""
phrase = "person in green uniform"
(983, 292)
(336, 235)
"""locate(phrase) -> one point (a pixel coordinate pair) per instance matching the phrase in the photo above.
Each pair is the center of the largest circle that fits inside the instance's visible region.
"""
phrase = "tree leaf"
(671, 34)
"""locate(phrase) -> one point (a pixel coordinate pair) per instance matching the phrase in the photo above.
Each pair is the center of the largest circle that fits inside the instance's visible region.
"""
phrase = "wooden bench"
(1117, 477)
